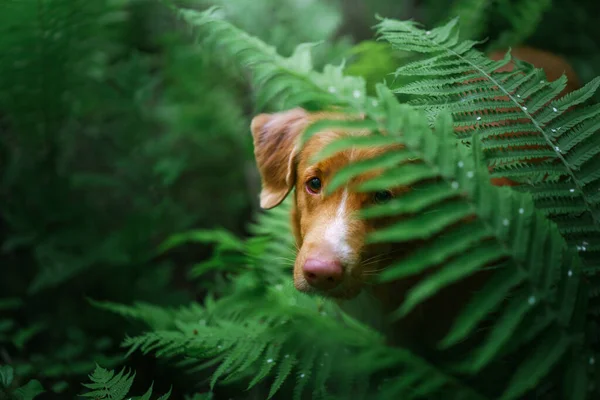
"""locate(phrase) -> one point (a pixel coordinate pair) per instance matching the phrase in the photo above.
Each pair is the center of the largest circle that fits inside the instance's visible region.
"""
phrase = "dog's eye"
(383, 196)
(313, 185)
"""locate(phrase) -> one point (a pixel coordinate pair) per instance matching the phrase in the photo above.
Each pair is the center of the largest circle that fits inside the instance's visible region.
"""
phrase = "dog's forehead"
(320, 140)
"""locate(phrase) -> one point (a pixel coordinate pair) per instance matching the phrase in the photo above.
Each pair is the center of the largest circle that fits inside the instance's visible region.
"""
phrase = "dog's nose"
(323, 274)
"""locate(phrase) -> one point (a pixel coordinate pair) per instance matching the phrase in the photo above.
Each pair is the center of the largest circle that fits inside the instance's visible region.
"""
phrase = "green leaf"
(451, 244)
(404, 175)
(6, 375)
(224, 239)
(348, 142)
(166, 395)
(547, 353)
(283, 371)
(345, 125)
(427, 225)
(28, 391)
(457, 268)
(501, 332)
(354, 169)
(416, 200)
(271, 358)
(488, 299)
(147, 395)
(106, 384)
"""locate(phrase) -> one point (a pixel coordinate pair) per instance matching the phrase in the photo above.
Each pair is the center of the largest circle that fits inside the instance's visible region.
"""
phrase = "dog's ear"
(275, 148)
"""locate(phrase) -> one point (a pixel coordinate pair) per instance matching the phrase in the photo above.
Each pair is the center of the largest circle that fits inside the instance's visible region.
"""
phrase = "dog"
(333, 257)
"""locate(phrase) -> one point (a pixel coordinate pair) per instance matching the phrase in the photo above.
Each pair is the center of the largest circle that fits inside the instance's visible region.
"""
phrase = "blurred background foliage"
(117, 131)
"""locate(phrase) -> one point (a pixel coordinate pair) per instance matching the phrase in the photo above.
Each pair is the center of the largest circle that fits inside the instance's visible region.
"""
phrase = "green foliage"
(520, 120)
(537, 292)
(8, 391)
(297, 68)
(508, 23)
(106, 384)
(524, 17)
(109, 146)
(286, 23)
(119, 134)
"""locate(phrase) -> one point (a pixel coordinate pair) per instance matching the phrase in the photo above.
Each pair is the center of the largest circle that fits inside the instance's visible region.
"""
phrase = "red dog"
(333, 258)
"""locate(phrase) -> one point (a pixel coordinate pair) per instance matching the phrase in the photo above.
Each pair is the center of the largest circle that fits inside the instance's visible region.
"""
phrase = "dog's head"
(333, 258)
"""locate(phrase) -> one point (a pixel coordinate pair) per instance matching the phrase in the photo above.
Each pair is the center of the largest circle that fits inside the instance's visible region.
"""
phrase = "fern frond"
(542, 298)
(105, 384)
(506, 226)
(285, 82)
(524, 18)
(518, 115)
(271, 341)
(155, 317)
(473, 15)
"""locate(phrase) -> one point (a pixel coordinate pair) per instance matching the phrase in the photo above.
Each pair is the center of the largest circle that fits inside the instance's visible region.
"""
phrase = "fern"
(506, 227)
(474, 16)
(47, 53)
(537, 293)
(524, 17)
(105, 384)
(518, 117)
(28, 391)
(278, 75)
(270, 340)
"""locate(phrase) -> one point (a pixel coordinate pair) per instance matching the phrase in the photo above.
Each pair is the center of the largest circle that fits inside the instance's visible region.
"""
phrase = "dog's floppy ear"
(275, 148)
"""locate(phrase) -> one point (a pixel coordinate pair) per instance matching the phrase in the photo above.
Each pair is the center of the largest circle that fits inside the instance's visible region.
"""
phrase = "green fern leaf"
(464, 238)
(509, 233)
(271, 355)
(454, 270)
(547, 353)
(444, 215)
(287, 82)
(511, 228)
(355, 169)
(524, 19)
(283, 371)
(508, 111)
(28, 391)
(353, 142)
(105, 384)
(303, 373)
(487, 300)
